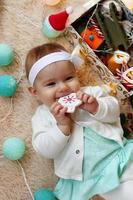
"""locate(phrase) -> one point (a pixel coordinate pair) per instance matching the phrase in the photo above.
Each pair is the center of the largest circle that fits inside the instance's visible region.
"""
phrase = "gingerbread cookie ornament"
(70, 101)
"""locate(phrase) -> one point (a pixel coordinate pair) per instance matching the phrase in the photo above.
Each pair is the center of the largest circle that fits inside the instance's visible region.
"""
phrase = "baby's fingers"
(55, 108)
(85, 98)
(82, 96)
(79, 95)
(62, 111)
(91, 99)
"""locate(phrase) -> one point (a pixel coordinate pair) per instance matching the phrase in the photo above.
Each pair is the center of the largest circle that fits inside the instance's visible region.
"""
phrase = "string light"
(52, 2)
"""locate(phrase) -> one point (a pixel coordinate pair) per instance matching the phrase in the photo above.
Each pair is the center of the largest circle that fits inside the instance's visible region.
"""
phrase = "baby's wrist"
(95, 109)
(65, 129)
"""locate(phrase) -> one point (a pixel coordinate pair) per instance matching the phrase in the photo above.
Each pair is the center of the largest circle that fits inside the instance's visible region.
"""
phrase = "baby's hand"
(63, 119)
(89, 104)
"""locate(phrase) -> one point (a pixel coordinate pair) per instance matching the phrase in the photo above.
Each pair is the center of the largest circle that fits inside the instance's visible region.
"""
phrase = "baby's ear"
(32, 90)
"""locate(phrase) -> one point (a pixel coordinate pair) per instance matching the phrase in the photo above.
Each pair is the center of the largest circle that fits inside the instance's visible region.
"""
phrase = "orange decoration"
(92, 38)
(118, 59)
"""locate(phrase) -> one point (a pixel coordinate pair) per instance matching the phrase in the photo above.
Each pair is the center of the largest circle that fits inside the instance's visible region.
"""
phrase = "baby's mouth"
(63, 95)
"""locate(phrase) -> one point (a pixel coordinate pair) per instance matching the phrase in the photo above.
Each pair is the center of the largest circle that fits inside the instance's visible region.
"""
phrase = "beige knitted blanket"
(20, 27)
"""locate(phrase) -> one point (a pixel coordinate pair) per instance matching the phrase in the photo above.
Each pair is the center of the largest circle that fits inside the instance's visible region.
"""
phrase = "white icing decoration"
(70, 101)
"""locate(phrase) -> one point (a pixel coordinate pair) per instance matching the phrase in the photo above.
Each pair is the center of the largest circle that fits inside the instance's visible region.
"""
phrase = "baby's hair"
(38, 52)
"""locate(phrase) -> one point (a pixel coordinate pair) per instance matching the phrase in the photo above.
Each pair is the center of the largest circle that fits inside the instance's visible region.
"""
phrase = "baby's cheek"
(76, 86)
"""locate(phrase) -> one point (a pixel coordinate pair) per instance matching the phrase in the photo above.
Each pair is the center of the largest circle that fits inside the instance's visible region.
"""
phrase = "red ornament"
(58, 20)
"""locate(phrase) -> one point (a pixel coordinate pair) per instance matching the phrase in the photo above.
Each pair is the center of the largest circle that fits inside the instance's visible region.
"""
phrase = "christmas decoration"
(8, 85)
(128, 75)
(103, 29)
(44, 194)
(124, 79)
(55, 24)
(92, 35)
(13, 148)
(6, 54)
(117, 60)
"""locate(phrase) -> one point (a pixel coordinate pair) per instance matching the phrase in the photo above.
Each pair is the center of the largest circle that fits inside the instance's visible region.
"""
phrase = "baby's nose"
(63, 86)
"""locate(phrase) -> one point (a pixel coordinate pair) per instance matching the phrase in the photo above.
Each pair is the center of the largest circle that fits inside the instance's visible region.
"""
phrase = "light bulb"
(52, 2)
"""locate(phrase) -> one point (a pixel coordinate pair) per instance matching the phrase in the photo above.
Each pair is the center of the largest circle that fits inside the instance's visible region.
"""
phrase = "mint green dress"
(103, 165)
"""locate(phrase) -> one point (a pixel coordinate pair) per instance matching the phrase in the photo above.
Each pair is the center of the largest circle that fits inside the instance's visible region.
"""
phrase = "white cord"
(25, 179)
(90, 19)
(10, 110)
(20, 63)
(21, 74)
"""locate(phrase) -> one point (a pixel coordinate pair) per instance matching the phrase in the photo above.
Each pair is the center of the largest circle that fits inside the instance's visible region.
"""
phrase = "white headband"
(51, 58)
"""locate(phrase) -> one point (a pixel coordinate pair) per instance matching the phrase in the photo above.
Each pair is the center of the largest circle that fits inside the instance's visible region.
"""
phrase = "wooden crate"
(75, 38)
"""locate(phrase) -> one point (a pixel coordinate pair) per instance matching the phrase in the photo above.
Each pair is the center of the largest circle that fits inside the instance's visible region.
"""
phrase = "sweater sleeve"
(47, 139)
(108, 110)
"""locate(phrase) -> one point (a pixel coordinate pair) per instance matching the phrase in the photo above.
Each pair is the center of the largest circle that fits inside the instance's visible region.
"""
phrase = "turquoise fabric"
(104, 163)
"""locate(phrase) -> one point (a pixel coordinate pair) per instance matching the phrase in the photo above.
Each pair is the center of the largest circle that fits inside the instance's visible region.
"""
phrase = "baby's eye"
(69, 78)
(51, 84)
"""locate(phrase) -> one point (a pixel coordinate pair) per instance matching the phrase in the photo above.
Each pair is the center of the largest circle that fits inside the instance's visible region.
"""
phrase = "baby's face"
(56, 80)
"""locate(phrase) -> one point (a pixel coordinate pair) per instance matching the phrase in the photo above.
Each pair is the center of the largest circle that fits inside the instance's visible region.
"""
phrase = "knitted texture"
(20, 25)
